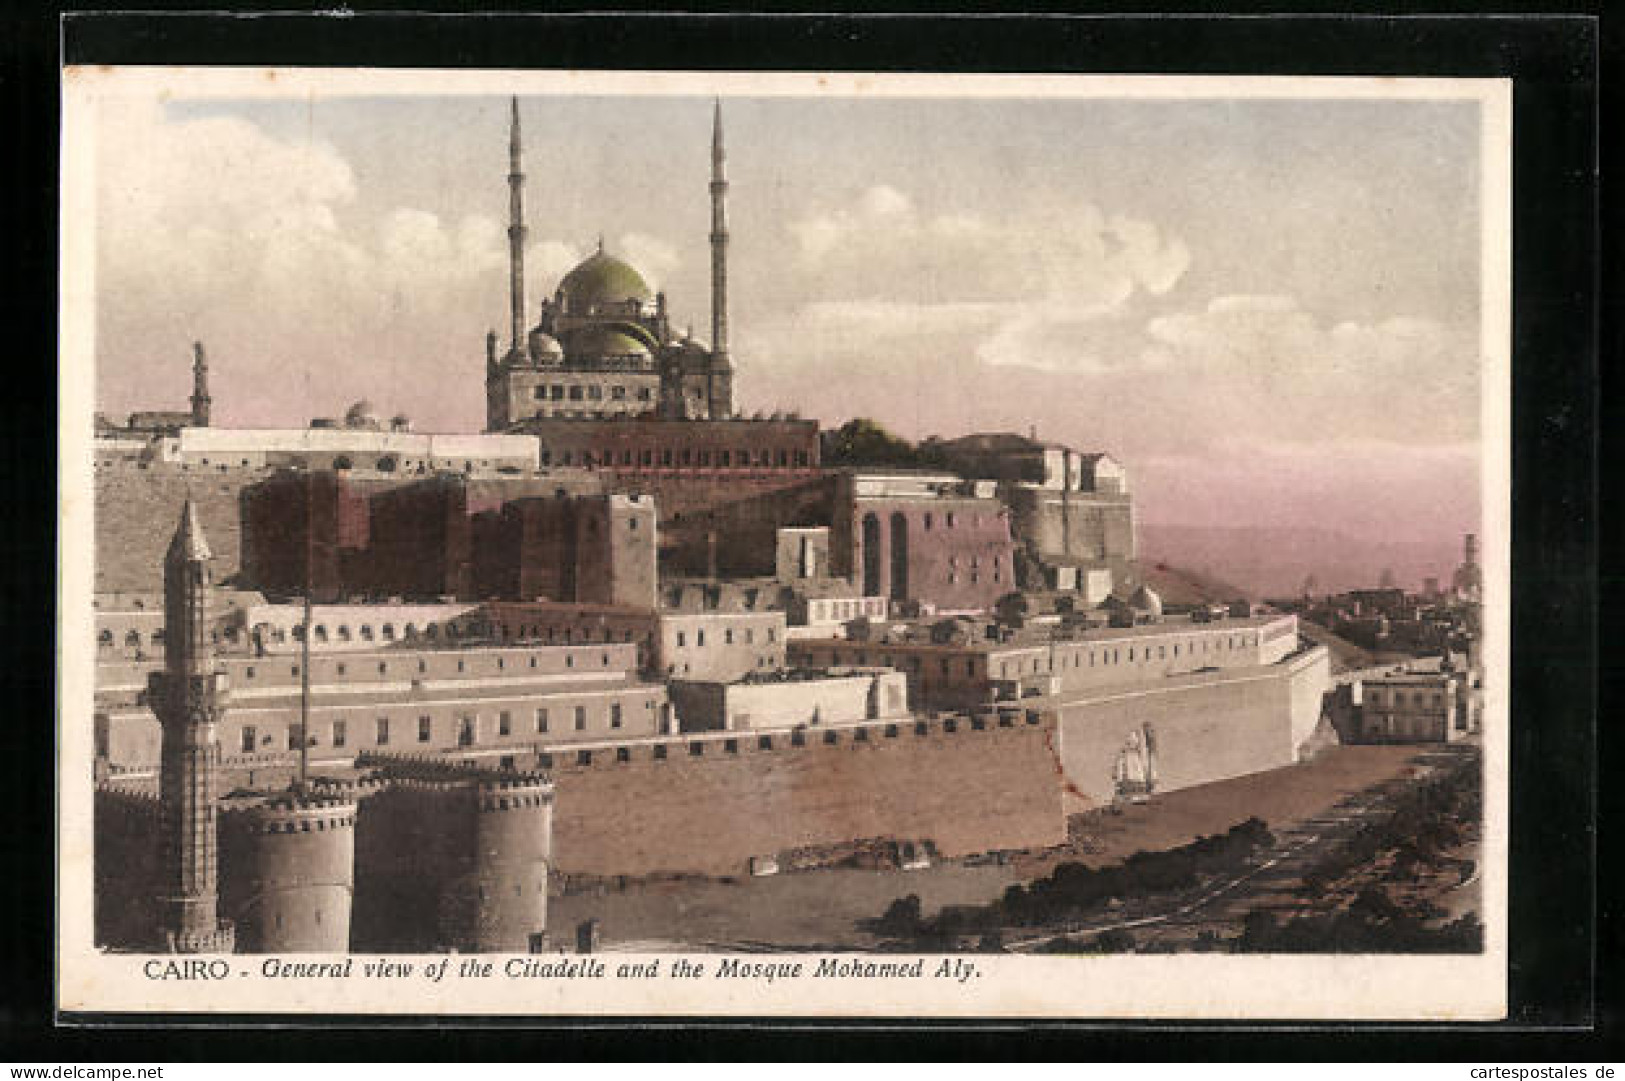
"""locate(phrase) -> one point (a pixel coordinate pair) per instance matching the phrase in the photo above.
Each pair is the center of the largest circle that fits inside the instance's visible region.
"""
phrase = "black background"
(1563, 1003)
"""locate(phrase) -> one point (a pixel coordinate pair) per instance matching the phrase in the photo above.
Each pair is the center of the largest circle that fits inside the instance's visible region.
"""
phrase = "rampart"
(1203, 727)
(708, 804)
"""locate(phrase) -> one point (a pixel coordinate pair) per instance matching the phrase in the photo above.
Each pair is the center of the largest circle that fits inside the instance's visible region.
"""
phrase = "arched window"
(321, 632)
(105, 638)
(366, 632)
(344, 632)
(387, 464)
(389, 632)
(133, 639)
(342, 462)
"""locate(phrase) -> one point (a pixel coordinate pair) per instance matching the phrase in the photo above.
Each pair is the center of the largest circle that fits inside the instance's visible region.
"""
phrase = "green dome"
(604, 340)
(603, 279)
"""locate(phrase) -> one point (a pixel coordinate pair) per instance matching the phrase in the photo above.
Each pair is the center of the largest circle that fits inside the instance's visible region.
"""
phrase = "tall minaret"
(200, 387)
(516, 234)
(721, 390)
(188, 696)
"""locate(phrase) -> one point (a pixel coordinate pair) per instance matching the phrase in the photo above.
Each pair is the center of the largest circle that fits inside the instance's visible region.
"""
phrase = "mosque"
(604, 345)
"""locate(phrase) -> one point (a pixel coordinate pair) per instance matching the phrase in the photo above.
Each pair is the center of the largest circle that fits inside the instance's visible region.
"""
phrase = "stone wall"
(964, 789)
(136, 511)
(1205, 727)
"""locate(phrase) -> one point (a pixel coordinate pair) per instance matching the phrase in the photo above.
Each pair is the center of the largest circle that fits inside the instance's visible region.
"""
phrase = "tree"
(862, 441)
(902, 916)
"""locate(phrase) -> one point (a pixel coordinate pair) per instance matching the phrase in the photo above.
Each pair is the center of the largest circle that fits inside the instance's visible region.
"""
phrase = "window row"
(744, 457)
(591, 392)
(729, 637)
(498, 664)
(470, 728)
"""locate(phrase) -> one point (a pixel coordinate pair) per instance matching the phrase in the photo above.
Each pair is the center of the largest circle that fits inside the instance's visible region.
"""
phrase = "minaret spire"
(719, 238)
(516, 232)
(200, 387)
(189, 696)
(720, 398)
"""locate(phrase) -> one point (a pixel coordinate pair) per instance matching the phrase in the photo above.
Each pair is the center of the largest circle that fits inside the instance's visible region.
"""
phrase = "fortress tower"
(288, 871)
(188, 697)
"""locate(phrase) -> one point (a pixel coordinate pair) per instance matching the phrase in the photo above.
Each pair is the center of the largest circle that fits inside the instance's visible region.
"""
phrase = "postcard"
(573, 544)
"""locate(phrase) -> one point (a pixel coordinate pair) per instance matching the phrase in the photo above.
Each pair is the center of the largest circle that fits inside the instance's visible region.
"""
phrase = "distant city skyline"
(1268, 310)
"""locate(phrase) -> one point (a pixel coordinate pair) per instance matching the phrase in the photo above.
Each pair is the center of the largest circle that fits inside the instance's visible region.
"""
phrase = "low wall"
(963, 788)
(1205, 727)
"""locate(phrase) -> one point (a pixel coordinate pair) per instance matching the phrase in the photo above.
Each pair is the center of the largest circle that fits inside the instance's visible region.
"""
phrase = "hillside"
(1178, 586)
(1274, 562)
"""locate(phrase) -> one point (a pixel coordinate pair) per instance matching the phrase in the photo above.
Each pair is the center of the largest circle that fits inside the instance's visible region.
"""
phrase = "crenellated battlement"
(287, 812)
(424, 767)
(125, 791)
(802, 739)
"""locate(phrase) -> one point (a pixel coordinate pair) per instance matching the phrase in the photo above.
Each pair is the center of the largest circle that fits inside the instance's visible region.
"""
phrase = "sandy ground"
(822, 909)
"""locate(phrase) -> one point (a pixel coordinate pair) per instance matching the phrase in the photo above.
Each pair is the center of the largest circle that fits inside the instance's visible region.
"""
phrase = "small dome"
(361, 415)
(543, 346)
(602, 279)
(400, 422)
(606, 340)
(1145, 599)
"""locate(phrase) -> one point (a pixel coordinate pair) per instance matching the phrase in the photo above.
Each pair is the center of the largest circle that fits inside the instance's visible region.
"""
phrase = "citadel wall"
(1206, 727)
(709, 804)
(131, 499)
(127, 858)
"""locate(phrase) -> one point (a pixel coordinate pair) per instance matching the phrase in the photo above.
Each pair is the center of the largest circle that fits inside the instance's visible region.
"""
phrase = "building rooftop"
(1038, 637)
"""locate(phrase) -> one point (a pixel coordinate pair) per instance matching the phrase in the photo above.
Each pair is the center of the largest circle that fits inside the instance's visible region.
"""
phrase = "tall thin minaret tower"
(200, 387)
(188, 696)
(721, 388)
(516, 234)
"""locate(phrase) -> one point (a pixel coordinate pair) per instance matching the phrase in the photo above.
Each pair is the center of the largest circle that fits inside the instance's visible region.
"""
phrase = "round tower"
(501, 901)
(290, 872)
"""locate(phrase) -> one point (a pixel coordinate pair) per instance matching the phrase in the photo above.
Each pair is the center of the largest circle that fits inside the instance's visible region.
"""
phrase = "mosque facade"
(604, 344)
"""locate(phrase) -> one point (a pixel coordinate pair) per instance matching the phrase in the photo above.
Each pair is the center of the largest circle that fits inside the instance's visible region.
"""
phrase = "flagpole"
(304, 653)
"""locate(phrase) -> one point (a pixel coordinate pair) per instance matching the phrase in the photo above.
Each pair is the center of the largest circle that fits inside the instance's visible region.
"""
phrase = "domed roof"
(361, 413)
(605, 340)
(1146, 600)
(603, 279)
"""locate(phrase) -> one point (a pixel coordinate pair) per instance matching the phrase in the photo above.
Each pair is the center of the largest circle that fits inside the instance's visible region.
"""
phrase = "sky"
(1268, 310)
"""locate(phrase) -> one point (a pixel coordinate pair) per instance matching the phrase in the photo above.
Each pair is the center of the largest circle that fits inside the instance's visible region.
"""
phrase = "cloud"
(653, 257)
(264, 247)
(1405, 378)
(883, 246)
